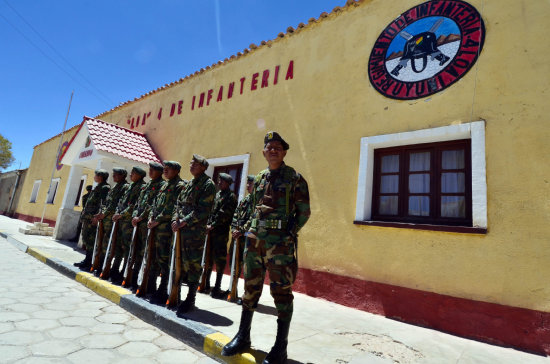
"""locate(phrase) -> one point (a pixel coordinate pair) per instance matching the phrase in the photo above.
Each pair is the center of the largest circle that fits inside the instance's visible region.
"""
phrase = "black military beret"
(226, 177)
(156, 166)
(172, 164)
(200, 159)
(89, 187)
(102, 173)
(250, 178)
(121, 171)
(273, 136)
(139, 171)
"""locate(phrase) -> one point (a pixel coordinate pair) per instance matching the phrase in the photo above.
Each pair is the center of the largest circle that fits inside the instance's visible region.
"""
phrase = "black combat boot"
(85, 263)
(241, 341)
(161, 295)
(189, 303)
(278, 355)
(133, 284)
(216, 291)
(116, 274)
(97, 272)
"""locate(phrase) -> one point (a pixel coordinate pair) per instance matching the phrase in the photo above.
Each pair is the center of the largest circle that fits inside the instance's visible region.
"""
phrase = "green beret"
(226, 177)
(172, 164)
(121, 171)
(102, 173)
(273, 136)
(139, 171)
(156, 166)
(200, 159)
(250, 178)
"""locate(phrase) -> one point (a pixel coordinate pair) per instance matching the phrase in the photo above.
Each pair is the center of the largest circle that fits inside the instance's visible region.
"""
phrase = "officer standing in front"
(160, 219)
(190, 217)
(281, 208)
(89, 221)
(218, 225)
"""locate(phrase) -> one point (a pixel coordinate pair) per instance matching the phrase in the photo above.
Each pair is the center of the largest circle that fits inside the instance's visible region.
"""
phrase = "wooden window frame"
(435, 193)
(236, 185)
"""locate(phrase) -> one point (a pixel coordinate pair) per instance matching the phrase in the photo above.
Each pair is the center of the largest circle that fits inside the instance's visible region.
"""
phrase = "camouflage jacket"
(114, 196)
(195, 202)
(96, 199)
(165, 203)
(129, 199)
(147, 198)
(225, 204)
(280, 200)
(242, 214)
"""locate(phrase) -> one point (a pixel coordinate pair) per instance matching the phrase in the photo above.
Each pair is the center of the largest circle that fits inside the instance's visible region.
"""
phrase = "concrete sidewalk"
(321, 331)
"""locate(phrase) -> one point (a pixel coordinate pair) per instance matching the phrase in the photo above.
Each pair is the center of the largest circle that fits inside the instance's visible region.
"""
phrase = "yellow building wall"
(42, 162)
(330, 104)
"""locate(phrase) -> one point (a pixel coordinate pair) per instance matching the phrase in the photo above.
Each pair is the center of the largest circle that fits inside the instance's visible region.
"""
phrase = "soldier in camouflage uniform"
(281, 208)
(79, 226)
(108, 210)
(123, 215)
(238, 225)
(141, 213)
(218, 225)
(191, 216)
(89, 222)
(160, 218)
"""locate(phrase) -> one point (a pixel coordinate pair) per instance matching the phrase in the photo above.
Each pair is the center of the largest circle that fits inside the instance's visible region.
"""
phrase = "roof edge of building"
(289, 32)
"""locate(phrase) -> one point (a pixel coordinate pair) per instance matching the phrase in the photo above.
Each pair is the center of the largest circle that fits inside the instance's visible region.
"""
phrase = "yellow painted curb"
(101, 287)
(38, 254)
(214, 343)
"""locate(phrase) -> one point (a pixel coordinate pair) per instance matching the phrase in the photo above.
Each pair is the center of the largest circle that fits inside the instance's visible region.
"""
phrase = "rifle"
(235, 270)
(143, 275)
(130, 261)
(206, 263)
(175, 272)
(98, 245)
(109, 253)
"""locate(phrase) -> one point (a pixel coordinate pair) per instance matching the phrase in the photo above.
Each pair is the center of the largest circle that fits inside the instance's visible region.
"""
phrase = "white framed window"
(243, 159)
(35, 188)
(52, 191)
(474, 131)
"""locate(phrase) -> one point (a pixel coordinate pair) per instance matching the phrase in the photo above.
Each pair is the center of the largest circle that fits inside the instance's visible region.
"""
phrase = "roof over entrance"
(98, 139)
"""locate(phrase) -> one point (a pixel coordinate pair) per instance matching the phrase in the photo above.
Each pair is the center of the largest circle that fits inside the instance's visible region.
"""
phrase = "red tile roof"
(117, 140)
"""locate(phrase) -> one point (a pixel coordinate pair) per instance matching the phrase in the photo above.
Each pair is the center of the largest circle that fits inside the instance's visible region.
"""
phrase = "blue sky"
(109, 52)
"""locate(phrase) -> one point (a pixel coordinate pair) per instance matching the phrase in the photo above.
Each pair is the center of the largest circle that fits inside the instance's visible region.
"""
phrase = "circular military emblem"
(64, 147)
(426, 49)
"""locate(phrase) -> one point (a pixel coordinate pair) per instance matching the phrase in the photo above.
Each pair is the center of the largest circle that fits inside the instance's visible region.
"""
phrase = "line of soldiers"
(146, 227)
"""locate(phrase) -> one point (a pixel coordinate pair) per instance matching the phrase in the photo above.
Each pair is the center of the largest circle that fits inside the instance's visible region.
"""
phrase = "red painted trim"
(524, 329)
(33, 219)
(71, 141)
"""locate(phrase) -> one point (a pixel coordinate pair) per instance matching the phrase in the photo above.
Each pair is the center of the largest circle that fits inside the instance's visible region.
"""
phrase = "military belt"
(271, 224)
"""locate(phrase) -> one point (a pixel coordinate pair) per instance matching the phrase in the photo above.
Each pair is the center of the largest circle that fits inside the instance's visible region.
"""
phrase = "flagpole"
(58, 155)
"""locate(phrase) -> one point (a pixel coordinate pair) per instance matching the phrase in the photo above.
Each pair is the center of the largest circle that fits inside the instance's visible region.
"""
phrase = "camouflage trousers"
(107, 228)
(124, 238)
(218, 251)
(191, 255)
(163, 242)
(88, 234)
(273, 251)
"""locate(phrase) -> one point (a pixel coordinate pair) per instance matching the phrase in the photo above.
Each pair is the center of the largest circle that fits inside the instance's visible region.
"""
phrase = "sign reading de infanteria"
(426, 49)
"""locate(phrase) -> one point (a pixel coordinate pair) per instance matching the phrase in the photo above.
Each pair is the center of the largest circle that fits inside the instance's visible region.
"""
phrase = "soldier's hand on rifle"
(136, 220)
(236, 234)
(100, 216)
(116, 217)
(209, 227)
(152, 223)
(251, 235)
(175, 225)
